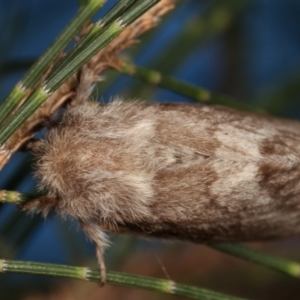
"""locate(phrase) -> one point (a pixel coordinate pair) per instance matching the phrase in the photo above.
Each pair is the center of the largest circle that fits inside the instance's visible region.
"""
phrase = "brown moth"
(185, 172)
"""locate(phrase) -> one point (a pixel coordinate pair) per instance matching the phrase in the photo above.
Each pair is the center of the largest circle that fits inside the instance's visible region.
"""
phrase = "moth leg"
(95, 234)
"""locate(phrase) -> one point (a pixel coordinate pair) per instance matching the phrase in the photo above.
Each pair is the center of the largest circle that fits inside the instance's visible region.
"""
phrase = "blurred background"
(249, 50)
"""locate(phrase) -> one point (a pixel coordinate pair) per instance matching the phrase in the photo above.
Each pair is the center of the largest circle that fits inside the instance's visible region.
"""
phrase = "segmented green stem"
(59, 75)
(183, 88)
(285, 266)
(95, 31)
(16, 197)
(115, 278)
(43, 63)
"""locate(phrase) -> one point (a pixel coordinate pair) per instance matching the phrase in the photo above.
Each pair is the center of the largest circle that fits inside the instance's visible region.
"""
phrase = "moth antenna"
(96, 235)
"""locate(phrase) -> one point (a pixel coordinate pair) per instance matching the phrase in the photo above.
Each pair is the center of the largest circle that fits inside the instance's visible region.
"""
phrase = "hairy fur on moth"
(191, 172)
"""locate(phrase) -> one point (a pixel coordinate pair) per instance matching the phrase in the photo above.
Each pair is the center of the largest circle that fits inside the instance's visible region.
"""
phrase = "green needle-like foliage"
(44, 62)
(115, 278)
(60, 74)
(16, 197)
(285, 266)
(183, 88)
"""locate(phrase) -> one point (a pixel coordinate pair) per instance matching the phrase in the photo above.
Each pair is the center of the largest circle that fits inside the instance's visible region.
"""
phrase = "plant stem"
(285, 266)
(59, 75)
(115, 278)
(16, 197)
(172, 84)
(43, 63)
(95, 31)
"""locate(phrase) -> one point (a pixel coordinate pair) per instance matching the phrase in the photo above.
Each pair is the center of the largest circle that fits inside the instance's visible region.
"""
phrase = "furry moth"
(186, 172)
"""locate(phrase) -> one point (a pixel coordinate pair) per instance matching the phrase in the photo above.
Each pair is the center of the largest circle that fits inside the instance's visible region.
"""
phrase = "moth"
(179, 171)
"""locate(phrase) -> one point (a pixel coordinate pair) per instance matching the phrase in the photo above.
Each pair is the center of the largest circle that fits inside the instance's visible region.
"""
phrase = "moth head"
(91, 164)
